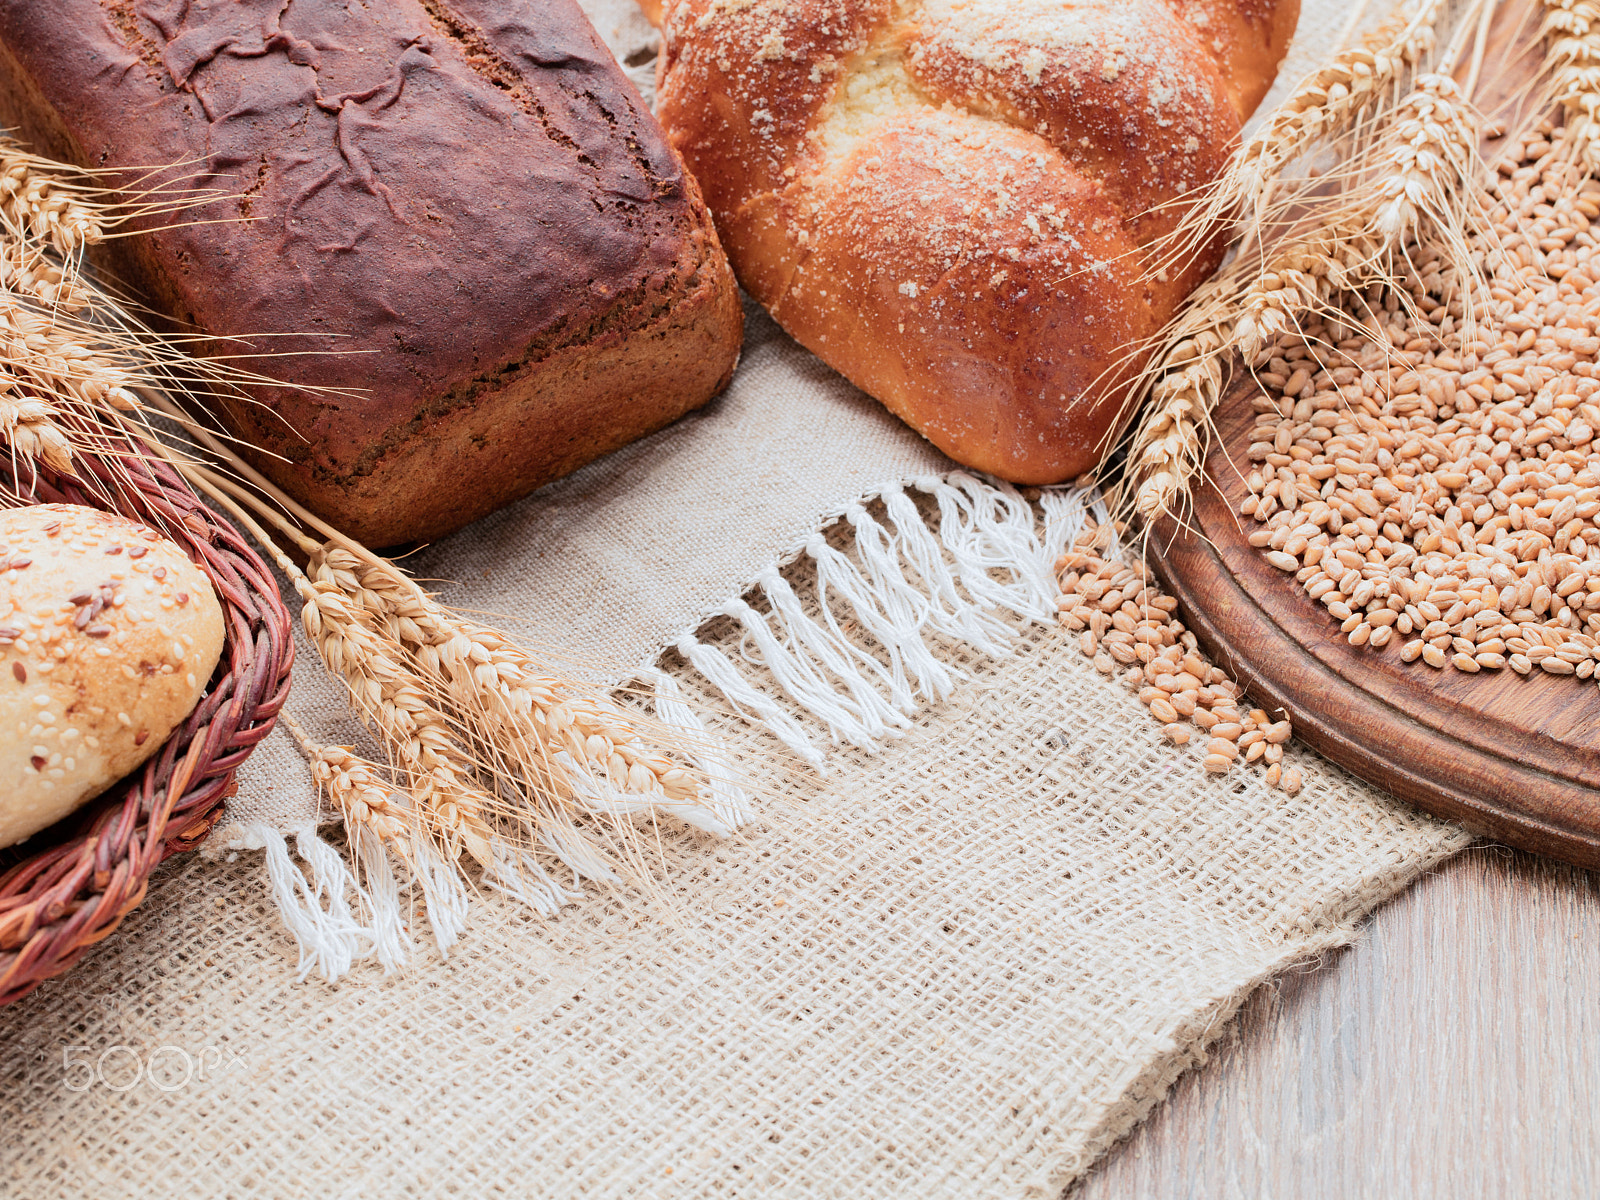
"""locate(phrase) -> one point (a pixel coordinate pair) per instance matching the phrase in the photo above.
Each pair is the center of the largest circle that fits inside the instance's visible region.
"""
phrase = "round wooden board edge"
(1180, 555)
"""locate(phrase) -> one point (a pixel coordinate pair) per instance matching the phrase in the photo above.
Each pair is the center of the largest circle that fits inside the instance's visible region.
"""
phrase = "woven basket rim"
(71, 885)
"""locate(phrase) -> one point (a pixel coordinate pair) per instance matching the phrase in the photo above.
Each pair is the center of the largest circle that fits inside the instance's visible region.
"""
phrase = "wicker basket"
(69, 886)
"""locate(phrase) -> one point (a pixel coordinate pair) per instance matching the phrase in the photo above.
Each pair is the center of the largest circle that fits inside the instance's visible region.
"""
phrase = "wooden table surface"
(1453, 1052)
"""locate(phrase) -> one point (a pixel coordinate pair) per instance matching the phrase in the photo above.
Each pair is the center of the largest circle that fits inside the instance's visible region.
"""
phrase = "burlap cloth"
(958, 966)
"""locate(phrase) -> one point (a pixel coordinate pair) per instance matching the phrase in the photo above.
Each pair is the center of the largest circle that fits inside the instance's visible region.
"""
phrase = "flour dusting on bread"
(953, 201)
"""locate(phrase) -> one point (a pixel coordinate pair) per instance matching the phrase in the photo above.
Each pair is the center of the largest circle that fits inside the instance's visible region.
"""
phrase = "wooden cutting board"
(1513, 757)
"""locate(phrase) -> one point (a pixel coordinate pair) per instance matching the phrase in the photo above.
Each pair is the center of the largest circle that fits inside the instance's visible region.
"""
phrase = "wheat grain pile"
(1406, 162)
(1126, 623)
(1432, 482)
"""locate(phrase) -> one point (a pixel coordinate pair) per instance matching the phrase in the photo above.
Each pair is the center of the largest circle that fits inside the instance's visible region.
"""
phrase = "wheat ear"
(40, 201)
(551, 721)
(1418, 177)
(499, 759)
(1333, 98)
(357, 790)
(1571, 29)
(489, 756)
(1169, 442)
(423, 751)
(67, 373)
(1326, 106)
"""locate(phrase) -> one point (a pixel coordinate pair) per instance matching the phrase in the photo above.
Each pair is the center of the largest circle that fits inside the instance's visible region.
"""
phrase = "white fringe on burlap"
(893, 595)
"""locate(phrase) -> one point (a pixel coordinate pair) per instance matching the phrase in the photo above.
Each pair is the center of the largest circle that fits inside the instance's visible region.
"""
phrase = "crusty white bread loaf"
(955, 202)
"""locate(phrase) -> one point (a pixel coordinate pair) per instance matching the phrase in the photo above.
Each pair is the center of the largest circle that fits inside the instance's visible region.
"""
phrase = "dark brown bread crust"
(461, 209)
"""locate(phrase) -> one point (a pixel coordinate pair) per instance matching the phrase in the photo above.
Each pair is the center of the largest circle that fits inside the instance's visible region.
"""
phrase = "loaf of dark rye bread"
(475, 254)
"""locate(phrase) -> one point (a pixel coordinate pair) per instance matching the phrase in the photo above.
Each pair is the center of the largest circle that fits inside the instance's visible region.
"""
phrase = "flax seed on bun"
(108, 637)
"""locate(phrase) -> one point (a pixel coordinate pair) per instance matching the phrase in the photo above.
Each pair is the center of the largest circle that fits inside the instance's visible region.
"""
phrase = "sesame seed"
(20, 672)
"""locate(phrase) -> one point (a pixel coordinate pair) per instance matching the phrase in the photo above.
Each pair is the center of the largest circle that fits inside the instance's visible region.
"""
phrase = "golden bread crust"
(955, 202)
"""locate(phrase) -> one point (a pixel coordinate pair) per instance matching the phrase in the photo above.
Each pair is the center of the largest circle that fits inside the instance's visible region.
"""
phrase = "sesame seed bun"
(108, 637)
